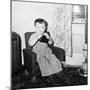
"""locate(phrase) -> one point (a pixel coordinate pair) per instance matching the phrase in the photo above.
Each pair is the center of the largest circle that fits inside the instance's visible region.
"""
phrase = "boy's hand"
(47, 36)
(50, 41)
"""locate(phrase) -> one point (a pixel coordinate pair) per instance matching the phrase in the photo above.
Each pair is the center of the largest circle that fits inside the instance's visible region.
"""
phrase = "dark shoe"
(50, 80)
(59, 74)
(34, 80)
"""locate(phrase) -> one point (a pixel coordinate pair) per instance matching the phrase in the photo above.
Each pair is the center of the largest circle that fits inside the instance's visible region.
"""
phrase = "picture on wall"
(48, 44)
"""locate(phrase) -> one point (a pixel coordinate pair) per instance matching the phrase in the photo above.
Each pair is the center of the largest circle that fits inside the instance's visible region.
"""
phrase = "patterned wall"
(62, 27)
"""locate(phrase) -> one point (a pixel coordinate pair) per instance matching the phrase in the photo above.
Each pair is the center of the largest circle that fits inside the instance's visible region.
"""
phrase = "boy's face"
(40, 28)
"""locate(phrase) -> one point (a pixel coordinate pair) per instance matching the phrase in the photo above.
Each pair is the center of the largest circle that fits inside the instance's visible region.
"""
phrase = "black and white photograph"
(49, 44)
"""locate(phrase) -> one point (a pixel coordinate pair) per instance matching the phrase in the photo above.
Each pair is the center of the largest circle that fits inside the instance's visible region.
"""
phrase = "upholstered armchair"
(30, 61)
(16, 57)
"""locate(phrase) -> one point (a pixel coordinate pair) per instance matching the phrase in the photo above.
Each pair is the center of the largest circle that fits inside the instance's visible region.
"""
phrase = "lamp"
(84, 68)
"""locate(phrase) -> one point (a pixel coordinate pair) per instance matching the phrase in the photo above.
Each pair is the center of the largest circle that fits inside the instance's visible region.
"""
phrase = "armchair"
(16, 60)
(30, 62)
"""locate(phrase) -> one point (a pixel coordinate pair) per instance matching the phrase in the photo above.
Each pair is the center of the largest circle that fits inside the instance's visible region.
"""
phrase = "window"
(78, 13)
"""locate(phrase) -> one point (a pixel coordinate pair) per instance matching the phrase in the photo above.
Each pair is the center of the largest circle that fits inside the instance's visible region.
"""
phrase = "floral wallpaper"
(62, 27)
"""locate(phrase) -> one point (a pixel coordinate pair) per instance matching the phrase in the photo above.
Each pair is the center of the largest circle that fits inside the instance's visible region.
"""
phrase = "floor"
(68, 77)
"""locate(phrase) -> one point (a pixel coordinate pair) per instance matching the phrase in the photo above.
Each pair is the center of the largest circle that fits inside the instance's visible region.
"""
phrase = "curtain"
(62, 17)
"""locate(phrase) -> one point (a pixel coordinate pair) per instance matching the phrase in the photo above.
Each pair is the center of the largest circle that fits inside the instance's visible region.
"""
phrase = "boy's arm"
(33, 39)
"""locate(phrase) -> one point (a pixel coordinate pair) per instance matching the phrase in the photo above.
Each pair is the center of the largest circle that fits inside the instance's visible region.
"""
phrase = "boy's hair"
(40, 20)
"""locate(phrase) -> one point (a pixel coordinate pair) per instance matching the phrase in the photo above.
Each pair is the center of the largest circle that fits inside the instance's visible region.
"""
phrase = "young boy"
(40, 41)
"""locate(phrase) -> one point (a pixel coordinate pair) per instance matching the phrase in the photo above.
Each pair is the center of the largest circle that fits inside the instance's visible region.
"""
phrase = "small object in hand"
(44, 39)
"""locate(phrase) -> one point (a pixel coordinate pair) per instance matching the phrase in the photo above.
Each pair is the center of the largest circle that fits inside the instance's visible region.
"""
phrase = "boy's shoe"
(50, 80)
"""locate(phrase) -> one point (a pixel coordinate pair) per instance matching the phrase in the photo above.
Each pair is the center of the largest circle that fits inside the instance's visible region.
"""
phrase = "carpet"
(68, 77)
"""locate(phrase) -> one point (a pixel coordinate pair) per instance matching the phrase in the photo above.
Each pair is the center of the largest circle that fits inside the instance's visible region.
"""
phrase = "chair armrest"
(29, 59)
(28, 51)
(59, 52)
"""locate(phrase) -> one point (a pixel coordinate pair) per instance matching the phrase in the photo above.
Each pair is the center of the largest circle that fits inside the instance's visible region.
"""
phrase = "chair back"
(27, 37)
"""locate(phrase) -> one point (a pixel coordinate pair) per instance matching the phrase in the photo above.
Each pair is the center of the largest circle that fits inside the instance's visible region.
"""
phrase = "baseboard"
(69, 65)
